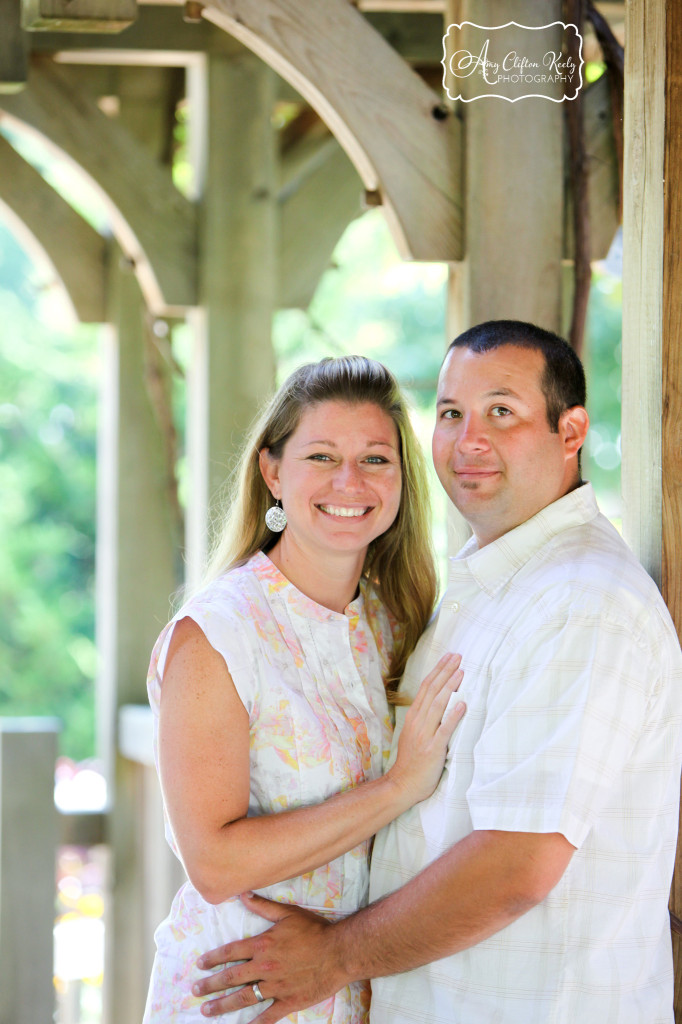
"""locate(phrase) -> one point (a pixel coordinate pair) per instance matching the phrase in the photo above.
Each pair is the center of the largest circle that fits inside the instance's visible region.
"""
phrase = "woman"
(269, 686)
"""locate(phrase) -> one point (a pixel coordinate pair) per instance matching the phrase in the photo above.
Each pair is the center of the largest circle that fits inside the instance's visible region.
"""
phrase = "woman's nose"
(348, 477)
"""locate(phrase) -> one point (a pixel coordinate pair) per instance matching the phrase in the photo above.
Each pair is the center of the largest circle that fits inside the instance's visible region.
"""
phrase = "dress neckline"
(267, 571)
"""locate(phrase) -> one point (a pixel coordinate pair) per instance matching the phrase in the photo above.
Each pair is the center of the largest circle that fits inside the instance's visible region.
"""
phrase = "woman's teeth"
(334, 510)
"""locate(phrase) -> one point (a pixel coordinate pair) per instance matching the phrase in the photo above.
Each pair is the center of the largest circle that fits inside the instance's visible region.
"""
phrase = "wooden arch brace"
(377, 107)
(65, 241)
(154, 224)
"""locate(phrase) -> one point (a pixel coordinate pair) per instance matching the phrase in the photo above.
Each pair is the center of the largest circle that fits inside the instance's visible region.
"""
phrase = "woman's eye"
(376, 460)
(451, 414)
(319, 457)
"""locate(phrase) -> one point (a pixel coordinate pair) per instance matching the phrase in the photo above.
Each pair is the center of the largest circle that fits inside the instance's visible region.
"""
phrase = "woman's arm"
(204, 767)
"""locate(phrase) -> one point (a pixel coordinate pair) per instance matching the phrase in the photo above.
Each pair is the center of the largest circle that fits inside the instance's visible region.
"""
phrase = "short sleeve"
(565, 710)
(221, 622)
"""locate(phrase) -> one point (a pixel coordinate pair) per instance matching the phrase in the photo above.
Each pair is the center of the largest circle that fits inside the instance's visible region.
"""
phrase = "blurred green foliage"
(47, 511)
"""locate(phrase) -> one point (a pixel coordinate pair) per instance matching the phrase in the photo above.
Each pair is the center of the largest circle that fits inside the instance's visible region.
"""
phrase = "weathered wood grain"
(671, 362)
(13, 48)
(65, 240)
(153, 222)
(602, 173)
(78, 15)
(28, 828)
(316, 204)
(643, 226)
(233, 365)
(376, 106)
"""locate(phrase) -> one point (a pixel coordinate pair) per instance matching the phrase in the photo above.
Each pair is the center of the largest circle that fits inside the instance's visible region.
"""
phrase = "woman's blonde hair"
(399, 565)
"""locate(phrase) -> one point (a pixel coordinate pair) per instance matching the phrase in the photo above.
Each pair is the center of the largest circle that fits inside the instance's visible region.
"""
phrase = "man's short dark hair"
(563, 379)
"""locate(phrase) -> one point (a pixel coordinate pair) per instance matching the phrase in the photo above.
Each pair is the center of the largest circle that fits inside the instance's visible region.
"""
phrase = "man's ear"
(573, 426)
(269, 468)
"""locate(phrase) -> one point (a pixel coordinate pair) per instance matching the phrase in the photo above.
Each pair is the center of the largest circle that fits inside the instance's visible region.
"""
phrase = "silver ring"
(257, 992)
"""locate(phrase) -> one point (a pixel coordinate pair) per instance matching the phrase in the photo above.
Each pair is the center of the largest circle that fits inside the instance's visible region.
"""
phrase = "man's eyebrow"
(494, 393)
(504, 392)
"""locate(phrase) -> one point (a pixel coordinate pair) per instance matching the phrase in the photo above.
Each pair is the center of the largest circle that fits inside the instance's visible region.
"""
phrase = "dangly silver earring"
(276, 517)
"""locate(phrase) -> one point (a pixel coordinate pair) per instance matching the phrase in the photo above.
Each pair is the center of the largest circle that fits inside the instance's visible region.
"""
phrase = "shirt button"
(454, 606)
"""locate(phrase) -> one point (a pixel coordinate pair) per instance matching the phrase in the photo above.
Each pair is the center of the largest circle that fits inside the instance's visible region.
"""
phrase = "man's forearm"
(482, 884)
(478, 887)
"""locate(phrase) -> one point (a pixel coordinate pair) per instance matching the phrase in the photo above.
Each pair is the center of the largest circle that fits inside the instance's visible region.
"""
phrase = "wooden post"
(671, 364)
(652, 279)
(643, 270)
(28, 850)
(137, 572)
(233, 364)
(515, 194)
(514, 200)
(672, 325)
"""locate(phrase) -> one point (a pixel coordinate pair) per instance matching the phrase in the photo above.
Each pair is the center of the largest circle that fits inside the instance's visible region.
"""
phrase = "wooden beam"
(602, 172)
(157, 28)
(233, 365)
(78, 15)
(671, 366)
(82, 828)
(49, 228)
(404, 6)
(515, 195)
(514, 205)
(325, 192)
(138, 567)
(643, 232)
(154, 224)
(672, 328)
(376, 106)
(417, 36)
(13, 48)
(652, 325)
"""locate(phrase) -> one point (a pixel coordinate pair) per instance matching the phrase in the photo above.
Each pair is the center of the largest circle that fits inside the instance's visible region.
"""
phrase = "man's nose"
(472, 434)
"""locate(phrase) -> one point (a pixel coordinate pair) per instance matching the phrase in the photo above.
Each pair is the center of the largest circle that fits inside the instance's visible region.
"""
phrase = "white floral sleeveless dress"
(312, 682)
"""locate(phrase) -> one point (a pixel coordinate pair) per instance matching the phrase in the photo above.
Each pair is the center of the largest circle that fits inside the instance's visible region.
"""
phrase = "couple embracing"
(517, 754)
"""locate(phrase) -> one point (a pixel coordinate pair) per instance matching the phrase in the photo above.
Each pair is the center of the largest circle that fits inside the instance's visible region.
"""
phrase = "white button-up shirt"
(573, 685)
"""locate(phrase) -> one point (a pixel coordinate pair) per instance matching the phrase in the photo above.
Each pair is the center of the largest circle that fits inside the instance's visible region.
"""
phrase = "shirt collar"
(494, 565)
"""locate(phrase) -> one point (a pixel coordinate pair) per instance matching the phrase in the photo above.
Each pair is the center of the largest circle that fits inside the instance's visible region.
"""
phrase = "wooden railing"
(144, 876)
(28, 845)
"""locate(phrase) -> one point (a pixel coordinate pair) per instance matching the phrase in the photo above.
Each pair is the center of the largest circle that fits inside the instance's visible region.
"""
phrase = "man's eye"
(500, 410)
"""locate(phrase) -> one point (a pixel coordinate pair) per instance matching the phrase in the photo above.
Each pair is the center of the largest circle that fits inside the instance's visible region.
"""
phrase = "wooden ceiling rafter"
(153, 222)
(64, 240)
(400, 150)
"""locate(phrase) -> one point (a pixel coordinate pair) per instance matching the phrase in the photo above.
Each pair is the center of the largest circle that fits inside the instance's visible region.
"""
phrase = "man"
(533, 885)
